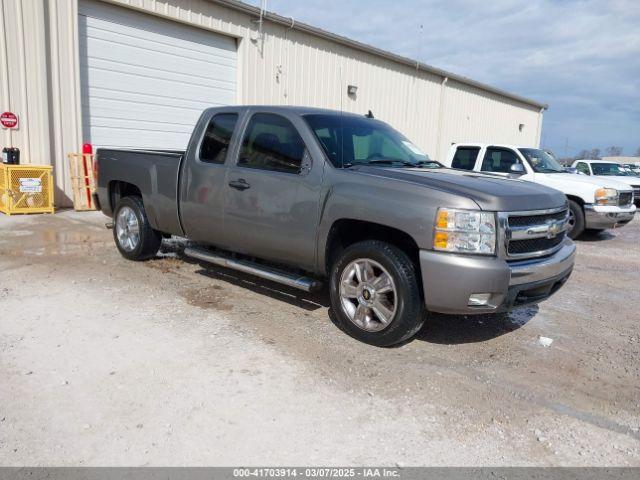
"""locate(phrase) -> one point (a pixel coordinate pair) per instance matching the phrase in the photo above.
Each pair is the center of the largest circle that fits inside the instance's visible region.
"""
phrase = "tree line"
(595, 153)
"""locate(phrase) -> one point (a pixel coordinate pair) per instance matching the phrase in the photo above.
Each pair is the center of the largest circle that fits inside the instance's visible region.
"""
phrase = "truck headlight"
(465, 231)
(606, 196)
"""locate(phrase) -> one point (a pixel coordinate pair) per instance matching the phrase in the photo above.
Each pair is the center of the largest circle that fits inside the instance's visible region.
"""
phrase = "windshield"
(349, 141)
(608, 169)
(541, 161)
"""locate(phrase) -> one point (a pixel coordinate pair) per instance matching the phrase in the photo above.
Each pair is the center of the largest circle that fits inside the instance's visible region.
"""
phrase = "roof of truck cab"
(596, 161)
(298, 110)
(484, 145)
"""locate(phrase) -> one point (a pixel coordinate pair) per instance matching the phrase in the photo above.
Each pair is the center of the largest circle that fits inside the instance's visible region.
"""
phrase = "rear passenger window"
(271, 142)
(465, 158)
(499, 160)
(217, 137)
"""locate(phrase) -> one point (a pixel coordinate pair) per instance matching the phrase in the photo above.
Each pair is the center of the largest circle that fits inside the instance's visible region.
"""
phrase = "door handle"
(240, 184)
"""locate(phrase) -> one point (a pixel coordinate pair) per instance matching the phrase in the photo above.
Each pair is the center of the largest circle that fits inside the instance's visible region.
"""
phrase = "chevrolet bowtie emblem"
(554, 229)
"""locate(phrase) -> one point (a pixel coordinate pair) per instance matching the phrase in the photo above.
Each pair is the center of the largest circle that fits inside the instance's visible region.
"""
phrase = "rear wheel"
(576, 220)
(375, 293)
(134, 237)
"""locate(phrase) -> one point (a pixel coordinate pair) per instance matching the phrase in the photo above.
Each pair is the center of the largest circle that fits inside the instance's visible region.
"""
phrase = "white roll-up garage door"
(145, 80)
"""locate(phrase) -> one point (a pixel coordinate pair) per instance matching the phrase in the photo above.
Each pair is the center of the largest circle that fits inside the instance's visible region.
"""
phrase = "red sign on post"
(9, 120)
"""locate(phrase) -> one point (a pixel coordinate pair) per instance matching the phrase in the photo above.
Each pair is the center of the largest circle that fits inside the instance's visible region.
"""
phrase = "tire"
(576, 220)
(128, 215)
(402, 306)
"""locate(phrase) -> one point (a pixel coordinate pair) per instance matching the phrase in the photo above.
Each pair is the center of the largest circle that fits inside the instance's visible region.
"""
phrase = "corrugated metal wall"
(472, 114)
(23, 81)
(40, 81)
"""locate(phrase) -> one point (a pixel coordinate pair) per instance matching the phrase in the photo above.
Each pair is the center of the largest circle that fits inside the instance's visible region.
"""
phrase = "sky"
(581, 57)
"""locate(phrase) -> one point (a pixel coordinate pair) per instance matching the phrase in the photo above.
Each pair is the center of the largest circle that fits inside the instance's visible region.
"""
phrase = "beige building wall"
(286, 64)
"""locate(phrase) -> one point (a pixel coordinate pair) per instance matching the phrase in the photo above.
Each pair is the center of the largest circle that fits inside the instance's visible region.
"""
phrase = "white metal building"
(137, 73)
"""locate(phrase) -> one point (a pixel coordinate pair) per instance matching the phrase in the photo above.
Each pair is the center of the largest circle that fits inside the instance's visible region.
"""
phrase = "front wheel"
(576, 220)
(375, 293)
(134, 237)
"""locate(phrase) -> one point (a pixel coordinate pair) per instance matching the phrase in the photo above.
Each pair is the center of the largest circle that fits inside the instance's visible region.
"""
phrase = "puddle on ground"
(17, 233)
(49, 241)
(211, 298)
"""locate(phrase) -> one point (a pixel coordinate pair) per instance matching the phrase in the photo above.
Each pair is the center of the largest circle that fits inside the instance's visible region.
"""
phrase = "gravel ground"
(170, 362)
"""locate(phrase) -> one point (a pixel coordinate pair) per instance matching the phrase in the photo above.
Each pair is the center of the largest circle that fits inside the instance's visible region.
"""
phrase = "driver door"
(498, 161)
(272, 193)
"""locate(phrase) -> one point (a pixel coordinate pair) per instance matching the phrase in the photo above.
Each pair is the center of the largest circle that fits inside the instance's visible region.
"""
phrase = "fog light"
(479, 300)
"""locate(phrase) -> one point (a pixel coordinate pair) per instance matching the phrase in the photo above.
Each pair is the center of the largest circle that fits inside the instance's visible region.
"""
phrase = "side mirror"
(517, 169)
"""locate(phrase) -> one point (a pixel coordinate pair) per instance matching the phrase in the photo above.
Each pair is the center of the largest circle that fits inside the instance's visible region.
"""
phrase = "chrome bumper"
(603, 217)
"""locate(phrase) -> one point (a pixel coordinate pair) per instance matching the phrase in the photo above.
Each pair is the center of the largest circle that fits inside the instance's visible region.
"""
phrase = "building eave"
(363, 47)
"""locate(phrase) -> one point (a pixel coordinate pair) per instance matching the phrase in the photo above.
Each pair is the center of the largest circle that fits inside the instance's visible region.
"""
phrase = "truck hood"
(616, 178)
(488, 191)
(563, 181)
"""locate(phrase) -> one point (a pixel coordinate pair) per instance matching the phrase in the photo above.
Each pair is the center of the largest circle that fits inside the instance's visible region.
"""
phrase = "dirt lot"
(169, 362)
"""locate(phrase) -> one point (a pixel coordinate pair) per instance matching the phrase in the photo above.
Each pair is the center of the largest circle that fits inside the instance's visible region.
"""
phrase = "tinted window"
(271, 142)
(610, 169)
(583, 168)
(465, 158)
(217, 137)
(498, 160)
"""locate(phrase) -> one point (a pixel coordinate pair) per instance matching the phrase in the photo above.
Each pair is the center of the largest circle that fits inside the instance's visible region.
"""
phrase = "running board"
(296, 281)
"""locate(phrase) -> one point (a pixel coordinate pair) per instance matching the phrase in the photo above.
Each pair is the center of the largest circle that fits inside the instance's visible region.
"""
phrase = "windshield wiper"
(396, 161)
(430, 164)
(405, 163)
(390, 161)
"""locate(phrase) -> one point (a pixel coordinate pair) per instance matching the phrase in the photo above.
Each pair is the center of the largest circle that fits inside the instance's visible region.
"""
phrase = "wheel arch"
(118, 189)
(347, 231)
(576, 199)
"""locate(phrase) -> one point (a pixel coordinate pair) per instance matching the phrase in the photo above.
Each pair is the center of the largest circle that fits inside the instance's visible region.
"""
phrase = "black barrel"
(11, 156)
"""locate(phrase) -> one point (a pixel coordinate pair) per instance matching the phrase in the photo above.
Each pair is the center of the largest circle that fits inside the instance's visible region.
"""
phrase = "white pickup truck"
(610, 170)
(595, 203)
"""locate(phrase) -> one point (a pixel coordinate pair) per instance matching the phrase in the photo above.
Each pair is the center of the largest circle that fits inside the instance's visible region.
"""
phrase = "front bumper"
(601, 217)
(449, 280)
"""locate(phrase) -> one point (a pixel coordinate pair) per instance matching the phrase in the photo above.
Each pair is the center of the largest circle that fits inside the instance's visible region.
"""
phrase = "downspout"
(443, 85)
(24, 103)
(539, 133)
(4, 67)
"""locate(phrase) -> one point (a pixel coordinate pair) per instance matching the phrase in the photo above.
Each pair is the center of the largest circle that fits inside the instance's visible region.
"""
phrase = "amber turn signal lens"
(443, 219)
(441, 240)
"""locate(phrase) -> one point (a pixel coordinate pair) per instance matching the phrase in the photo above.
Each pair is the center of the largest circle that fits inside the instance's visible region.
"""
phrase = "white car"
(609, 170)
(632, 169)
(595, 203)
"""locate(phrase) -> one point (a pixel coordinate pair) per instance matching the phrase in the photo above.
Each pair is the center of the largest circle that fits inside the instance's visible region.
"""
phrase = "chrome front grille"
(517, 247)
(625, 199)
(533, 233)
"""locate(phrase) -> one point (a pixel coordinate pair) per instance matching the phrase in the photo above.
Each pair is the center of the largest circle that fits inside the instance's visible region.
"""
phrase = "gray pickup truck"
(301, 196)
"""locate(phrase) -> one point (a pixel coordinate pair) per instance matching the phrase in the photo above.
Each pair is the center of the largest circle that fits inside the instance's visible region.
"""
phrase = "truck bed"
(154, 172)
